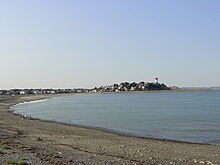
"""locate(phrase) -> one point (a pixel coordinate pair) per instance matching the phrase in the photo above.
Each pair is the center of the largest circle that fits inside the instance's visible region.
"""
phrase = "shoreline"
(101, 137)
(106, 130)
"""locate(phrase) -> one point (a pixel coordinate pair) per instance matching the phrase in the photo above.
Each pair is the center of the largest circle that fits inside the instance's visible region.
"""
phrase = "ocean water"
(181, 116)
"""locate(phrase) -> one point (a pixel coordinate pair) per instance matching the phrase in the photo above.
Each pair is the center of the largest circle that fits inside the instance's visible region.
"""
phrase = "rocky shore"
(29, 141)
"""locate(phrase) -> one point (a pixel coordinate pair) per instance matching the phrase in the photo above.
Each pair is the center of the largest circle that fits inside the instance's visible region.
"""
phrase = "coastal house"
(52, 92)
(23, 92)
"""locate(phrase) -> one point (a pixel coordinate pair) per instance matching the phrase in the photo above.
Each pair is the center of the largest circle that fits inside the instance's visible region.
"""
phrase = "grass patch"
(5, 147)
(30, 148)
(13, 152)
(22, 158)
(11, 161)
(22, 162)
(21, 146)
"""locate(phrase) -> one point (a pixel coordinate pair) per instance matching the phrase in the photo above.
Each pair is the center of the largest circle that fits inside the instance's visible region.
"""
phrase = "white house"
(23, 92)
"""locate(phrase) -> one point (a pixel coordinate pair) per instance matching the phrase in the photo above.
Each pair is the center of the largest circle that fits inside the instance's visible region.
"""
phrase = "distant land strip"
(124, 86)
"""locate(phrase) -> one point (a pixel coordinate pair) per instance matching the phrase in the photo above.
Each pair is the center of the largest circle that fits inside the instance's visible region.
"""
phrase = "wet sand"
(41, 142)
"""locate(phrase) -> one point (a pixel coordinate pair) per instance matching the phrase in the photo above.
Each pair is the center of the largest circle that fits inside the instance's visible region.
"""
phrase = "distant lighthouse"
(156, 80)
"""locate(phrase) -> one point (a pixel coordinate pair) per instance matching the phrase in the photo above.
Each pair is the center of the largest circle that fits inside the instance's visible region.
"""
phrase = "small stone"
(57, 156)
(39, 139)
(194, 160)
(47, 159)
(208, 162)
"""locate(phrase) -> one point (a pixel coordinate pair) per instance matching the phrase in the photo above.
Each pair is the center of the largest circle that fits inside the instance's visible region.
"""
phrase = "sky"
(88, 43)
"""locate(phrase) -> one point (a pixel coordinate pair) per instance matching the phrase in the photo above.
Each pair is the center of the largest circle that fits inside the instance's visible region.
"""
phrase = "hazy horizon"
(83, 44)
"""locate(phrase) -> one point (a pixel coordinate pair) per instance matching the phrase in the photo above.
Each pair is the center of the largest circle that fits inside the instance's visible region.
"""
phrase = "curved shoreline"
(96, 145)
(106, 130)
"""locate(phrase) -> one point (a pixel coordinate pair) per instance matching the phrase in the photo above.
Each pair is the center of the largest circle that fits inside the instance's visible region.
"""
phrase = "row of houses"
(40, 91)
(124, 86)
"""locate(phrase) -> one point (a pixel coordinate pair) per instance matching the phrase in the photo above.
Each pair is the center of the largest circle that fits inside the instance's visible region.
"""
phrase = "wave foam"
(28, 102)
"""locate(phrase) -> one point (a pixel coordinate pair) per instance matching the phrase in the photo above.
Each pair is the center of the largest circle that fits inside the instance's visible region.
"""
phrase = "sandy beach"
(41, 142)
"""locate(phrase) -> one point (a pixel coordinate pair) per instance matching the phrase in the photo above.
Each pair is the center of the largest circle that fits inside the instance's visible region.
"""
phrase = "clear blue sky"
(87, 43)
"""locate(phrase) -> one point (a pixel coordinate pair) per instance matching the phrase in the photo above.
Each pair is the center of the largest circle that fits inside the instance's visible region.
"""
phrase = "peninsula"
(122, 87)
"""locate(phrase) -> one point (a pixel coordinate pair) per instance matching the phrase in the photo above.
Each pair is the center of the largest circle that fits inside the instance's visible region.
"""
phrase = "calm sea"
(182, 116)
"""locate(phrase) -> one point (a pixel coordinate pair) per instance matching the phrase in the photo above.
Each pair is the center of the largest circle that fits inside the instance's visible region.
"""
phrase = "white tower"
(156, 80)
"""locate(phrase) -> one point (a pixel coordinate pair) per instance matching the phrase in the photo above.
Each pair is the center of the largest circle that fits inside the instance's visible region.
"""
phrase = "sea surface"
(181, 116)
